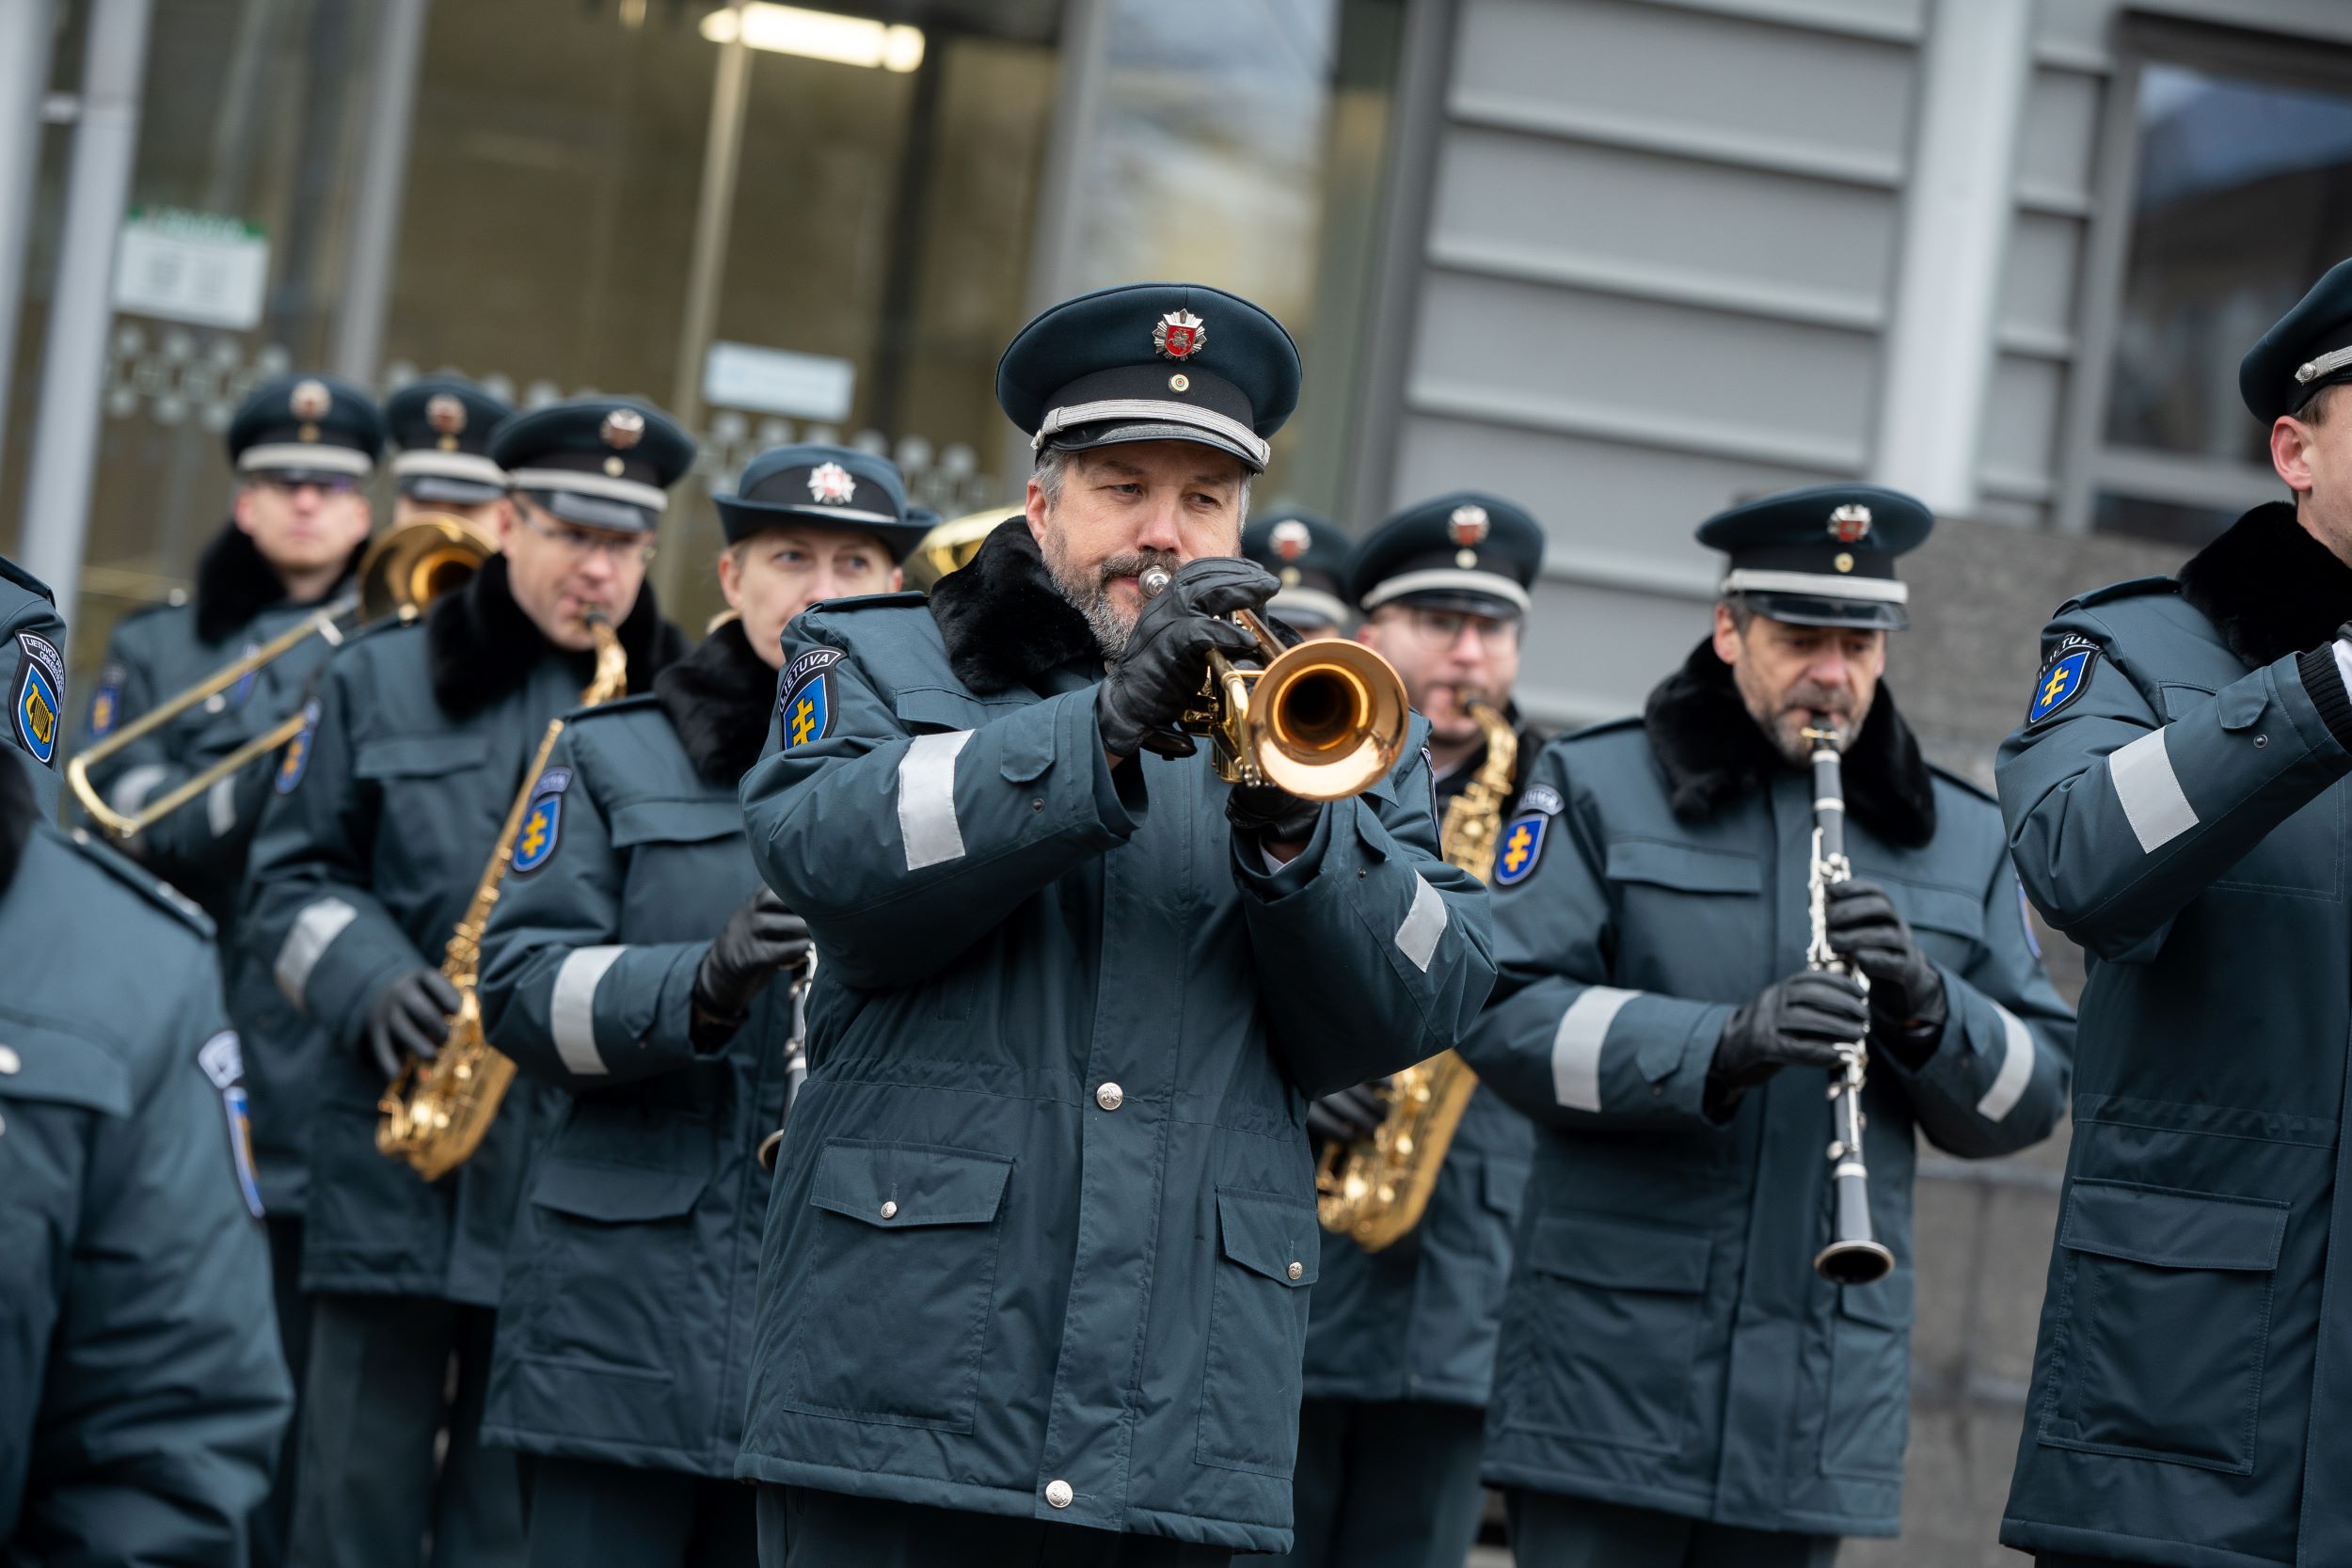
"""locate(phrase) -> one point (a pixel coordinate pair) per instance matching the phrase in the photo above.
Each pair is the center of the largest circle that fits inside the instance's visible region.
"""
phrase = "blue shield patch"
(804, 712)
(223, 1062)
(295, 760)
(105, 704)
(1522, 845)
(2062, 680)
(36, 708)
(534, 842)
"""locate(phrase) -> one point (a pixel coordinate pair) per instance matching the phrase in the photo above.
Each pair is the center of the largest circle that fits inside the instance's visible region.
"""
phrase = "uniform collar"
(2268, 587)
(1003, 620)
(234, 582)
(485, 648)
(1713, 752)
(719, 699)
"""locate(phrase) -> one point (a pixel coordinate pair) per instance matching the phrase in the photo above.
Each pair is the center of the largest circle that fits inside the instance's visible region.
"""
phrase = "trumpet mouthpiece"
(1153, 581)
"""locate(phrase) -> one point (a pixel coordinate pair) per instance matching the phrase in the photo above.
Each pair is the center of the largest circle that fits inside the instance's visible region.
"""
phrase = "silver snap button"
(9, 1060)
(1297, 1271)
(890, 1210)
(2261, 741)
(1057, 1493)
(1111, 1097)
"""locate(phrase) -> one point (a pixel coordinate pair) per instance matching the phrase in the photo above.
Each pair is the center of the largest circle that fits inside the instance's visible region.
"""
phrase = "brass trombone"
(400, 574)
(950, 546)
(1323, 720)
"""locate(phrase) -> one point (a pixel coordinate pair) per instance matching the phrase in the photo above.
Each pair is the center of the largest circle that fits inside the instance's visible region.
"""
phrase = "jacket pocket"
(614, 1262)
(898, 1285)
(1611, 1320)
(1268, 1255)
(1869, 1380)
(2163, 1324)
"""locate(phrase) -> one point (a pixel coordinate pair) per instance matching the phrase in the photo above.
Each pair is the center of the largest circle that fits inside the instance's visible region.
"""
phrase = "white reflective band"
(1425, 923)
(927, 799)
(315, 930)
(1829, 802)
(1460, 580)
(1314, 601)
(2009, 1084)
(1576, 1047)
(220, 805)
(131, 790)
(1826, 585)
(448, 465)
(572, 1010)
(2311, 369)
(2150, 792)
(651, 496)
(1153, 408)
(320, 458)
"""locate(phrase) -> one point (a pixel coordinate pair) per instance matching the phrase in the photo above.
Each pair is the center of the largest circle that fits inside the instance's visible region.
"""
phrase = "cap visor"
(449, 492)
(1087, 437)
(1807, 609)
(1461, 602)
(596, 510)
(740, 519)
(303, 476)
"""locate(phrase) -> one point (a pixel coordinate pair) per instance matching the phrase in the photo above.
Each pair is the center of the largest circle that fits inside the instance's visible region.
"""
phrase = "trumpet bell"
(417, 563)
(950, 546)
(1327, 720)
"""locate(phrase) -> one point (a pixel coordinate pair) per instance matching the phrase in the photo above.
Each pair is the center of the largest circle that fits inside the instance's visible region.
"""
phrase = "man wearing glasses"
(382, 816)
(1401, 1347)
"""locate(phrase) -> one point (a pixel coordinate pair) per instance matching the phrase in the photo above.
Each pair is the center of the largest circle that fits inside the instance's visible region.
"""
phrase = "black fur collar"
(1713, 752)
(1004, 621)
(234, 582)
(483, 647)
(2269, 587)
(719, 699)
(20, 808)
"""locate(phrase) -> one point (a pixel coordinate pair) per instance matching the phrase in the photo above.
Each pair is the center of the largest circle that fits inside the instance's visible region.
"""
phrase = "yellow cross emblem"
(2056, 685)
(1515, 849)
(803, 721)
(536, 831)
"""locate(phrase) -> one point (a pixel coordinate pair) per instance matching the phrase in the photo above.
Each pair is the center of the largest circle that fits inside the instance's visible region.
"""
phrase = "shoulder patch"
(1522, 848)
(2133, 589)
(2065, 675)
(805, 709)
(1543, 800)
(161, 893)
(295, 760)
(223, 1062)
(37, 695)
(105, 704)
(534, 842)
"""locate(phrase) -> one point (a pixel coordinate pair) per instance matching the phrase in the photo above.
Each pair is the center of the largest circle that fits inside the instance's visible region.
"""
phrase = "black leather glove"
(1907, 1003)
(760, 938)
(1798, 1022)
(1265, 812)
(1351, 1115)
(1161, 670)
(409, 1018)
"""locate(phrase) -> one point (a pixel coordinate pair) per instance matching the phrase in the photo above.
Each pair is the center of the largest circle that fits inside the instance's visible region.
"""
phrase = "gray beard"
(1088, 591)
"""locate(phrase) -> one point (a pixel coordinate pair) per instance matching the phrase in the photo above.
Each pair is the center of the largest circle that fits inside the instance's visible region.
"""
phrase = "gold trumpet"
(399, 575)
(1322, 721)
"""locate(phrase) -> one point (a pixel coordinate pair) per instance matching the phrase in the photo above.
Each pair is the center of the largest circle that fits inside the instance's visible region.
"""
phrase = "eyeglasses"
(331, 484)
(1443, 628)
(577, 541)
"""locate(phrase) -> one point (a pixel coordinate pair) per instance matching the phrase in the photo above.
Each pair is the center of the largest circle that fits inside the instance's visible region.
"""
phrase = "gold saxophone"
(436, 1113)
(1373, 1192)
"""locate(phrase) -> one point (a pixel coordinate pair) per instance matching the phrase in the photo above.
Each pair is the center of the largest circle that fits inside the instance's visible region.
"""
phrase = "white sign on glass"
(778, 381)
(200, 267)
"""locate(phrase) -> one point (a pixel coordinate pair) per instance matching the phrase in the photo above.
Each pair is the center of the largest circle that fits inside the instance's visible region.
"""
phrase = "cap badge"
(1180, 382)
(831, 483)
(446, 416)
(1849, 523)
(1844, 561)
(1180, 334)
(309, 400)
(1292, 577)
(623, 428)
(1291, 539)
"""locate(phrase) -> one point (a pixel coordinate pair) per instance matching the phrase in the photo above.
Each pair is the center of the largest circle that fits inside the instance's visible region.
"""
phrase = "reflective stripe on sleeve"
(1576, 1047)
(572, 1010)
(131, 790)
(1425, 923)
(2151, 792)
(2009, 1084)
(315, 930)
(927, 799)
(220, 805)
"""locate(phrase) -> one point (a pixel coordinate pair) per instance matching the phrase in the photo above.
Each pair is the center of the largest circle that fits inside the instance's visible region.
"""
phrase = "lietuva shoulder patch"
(2133, 589)
(157, 892)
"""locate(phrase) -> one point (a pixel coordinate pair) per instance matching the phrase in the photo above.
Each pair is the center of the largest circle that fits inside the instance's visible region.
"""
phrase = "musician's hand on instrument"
(409, 1018)
(1351, 1115)
(1799, 1022)
(1906, 990)
(1166, 661)
(1272, 817)
(760, 938)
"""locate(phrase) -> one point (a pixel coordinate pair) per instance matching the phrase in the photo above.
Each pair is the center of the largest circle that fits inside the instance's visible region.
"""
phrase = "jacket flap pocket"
(935, 708)
(1268, 1234)
(893, 1186)
(64, 1069)
(1937, 908)
(1888, 1303)
(1620, 1254)
(674, 821)
(2174, 1230)
(402, 756)
(1684, 868)
(1506, 1184)
(595, 1190)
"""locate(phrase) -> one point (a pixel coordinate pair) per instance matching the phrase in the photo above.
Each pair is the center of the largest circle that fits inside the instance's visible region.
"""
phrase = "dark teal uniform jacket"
(2178, 807)
(625, 1333)
(1043, 1227)
(141, 1397)
(201, 848)
(1419, 1320)
(376, 832)
(1666, 1344)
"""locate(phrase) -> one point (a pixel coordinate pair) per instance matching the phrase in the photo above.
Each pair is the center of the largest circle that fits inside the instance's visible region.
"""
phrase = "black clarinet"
(1853, 1256)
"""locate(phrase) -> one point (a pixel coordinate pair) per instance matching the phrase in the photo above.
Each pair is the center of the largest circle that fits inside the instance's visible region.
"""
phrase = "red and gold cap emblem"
(446, 414)
(831, 484)
(1180, 334)
(623, 428)
(1291, 539)
(310, 400)
(1850, 523)
(1468, 527)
